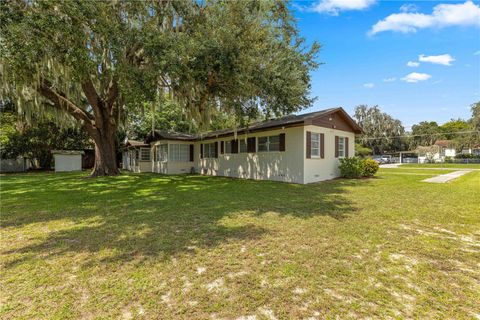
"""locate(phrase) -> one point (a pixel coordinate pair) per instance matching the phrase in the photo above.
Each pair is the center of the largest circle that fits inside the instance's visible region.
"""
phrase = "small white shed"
(67, 160)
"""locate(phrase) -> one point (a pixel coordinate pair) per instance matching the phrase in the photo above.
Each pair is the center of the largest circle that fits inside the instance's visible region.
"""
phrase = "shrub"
(354, 167)
(350, 167)
(369, 167)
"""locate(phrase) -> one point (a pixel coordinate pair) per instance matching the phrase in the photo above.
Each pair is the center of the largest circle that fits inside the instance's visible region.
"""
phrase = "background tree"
(18, 138)
(92, 62)
(381, 131)
(166, 115)
(475, 120)
(424, 133)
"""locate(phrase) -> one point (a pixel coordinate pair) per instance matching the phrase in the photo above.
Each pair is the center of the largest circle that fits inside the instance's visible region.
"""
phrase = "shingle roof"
(286, 120)
(272, 123)
(169, 135)
(135, 143)
(443, 143)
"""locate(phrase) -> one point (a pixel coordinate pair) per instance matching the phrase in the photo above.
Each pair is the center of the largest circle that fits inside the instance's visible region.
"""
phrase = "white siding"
(172, 167)
(317, 169)
(284, 166)
(68, 162)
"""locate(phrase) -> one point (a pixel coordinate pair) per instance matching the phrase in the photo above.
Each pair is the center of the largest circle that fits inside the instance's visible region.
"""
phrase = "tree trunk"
(105, 154)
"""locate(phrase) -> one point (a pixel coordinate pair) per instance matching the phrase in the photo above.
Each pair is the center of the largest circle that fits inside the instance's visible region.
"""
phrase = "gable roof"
(285, 121)
(135, 143)
(288, 120)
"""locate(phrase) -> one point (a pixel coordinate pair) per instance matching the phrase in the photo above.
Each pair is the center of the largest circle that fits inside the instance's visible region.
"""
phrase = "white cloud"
(333, 7)
(413, 64)
(409, 7)
(369, 85)
(443, 59)
(443, 15)
(416, 77)
(389, 79)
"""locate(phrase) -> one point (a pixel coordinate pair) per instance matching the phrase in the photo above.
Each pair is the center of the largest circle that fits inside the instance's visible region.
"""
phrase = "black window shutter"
(216, 149)
(191, 153)
(201, 150)
(309, 145)
(322, 145)
(281, 146)
(346, 147)
(251, 147)
(336, 146)
(234, 146)
(222, 147)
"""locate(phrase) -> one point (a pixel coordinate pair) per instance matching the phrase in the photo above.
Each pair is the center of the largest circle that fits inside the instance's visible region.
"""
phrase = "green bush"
(369, 167)
(354, 167)
(351, 167)
(467, 156)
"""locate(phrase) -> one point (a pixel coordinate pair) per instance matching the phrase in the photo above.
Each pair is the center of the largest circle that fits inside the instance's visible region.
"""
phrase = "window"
(315, 145)
(228, 146)
(341, 147)
(144, 154)
(271, 143)
(179, 153)
(162, 152)
(209, 150)
(243, 145)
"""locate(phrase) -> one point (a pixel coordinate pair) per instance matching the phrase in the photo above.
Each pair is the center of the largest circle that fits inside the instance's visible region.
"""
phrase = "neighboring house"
(475, 150)
(295, 148)
(438, 152)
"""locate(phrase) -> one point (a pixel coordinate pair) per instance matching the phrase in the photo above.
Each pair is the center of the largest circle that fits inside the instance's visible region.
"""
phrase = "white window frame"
(145, 154)
(162, 152)
(269, 144)
(242, 143)
(341, 147)
(209, 150)
(315, 140)
(178, 152)
(228, 147)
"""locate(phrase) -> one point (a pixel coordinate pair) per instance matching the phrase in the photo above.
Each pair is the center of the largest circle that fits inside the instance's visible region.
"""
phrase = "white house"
(438, 152)
(295, 148)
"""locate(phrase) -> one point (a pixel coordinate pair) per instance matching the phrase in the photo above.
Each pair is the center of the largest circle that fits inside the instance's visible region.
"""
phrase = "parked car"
(383, 159)
(379, 159)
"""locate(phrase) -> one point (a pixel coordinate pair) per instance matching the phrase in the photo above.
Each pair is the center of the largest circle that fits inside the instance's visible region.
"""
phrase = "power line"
(421, 135)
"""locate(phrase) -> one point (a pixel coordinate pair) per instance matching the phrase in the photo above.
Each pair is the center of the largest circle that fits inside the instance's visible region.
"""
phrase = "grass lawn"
(443, 165)
(145, 246)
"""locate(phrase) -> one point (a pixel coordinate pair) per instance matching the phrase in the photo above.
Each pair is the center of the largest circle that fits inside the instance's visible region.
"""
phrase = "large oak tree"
(91, 62)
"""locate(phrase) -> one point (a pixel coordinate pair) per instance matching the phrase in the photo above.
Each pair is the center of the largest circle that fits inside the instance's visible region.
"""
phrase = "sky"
(416, 60)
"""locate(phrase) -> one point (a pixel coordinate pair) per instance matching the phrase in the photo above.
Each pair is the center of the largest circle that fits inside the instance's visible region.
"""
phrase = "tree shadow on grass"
(136, 216)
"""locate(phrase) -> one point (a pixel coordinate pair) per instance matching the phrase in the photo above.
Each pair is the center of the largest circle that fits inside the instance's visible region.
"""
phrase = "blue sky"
(366, 45)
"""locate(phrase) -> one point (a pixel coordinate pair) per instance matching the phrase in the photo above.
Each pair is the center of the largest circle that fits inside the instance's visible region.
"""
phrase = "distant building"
(438, 152)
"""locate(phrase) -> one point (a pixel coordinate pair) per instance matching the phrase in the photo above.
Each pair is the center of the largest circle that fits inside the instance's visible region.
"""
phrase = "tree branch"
(93, 99)
(61, 102)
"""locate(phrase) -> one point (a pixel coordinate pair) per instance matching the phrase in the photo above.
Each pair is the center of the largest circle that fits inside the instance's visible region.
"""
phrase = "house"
(473, 150)
(296, 148)
(440, 150)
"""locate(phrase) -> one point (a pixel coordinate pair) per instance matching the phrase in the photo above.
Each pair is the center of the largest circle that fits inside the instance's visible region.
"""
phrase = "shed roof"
(67, 152)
